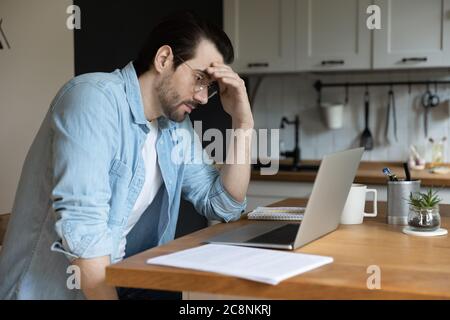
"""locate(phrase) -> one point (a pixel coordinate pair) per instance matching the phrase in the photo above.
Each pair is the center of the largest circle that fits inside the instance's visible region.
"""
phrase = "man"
(100, 183)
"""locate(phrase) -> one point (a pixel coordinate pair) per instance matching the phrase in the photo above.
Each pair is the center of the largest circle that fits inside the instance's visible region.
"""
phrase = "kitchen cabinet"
(332, 35)
(414, 34)
(272, 36)
(262, 33)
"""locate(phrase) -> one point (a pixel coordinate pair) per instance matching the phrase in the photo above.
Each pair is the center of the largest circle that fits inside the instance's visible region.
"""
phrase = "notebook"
(277, 213)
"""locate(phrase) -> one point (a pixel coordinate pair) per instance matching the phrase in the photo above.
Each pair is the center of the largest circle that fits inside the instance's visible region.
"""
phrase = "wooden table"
(411, 267)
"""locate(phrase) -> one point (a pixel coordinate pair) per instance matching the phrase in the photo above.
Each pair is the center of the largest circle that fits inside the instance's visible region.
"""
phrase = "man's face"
(175, 89)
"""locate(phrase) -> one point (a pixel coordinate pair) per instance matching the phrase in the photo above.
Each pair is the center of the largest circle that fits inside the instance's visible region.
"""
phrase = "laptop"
(322, 213)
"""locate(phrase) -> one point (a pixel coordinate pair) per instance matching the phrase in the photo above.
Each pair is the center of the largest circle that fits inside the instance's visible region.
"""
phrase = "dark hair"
(182, 32)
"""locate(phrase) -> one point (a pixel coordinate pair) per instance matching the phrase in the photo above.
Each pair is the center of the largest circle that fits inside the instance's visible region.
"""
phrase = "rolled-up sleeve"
(203, 186)
(84, 127)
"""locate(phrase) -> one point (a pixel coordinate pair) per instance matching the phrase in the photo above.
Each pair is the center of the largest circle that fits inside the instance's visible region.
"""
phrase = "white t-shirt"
(151, 185)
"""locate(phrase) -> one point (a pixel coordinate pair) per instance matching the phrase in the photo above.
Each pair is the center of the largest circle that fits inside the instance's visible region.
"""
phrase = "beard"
(170, 100)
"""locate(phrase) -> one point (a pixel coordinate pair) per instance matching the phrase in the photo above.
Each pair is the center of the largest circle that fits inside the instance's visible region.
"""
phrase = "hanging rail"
(319, 85)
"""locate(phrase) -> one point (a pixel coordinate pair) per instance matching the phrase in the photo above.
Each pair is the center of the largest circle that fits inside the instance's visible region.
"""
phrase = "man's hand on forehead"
(217, 65)
(218, 71)
(233, 93)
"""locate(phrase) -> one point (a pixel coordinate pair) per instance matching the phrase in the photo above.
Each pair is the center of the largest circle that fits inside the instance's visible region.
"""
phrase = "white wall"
(287, 95)
(40, 60)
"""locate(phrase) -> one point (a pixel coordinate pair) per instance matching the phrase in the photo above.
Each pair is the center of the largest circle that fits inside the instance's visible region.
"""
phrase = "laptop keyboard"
(283, 235)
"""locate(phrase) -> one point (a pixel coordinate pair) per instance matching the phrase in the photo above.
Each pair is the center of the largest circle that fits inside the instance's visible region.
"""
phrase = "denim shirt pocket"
(119, 169)
(120, 178)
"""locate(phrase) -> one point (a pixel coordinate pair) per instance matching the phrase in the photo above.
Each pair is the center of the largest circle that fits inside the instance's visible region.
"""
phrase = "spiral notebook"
(277, 213)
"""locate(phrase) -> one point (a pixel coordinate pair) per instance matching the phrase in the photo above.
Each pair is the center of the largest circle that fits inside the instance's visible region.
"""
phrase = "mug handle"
(374, 213)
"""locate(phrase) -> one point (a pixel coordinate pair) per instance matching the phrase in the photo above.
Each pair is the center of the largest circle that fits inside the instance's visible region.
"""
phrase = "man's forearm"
(93, 282)
(236, 171)
(233, 96)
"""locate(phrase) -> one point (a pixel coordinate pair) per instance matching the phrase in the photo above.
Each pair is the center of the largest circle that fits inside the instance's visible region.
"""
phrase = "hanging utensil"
(391, 106)
(429, 100)
(346, 94)
(366, 136)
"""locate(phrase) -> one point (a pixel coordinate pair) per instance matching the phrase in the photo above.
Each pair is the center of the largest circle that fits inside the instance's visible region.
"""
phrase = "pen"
(407, 173)
(387, 172)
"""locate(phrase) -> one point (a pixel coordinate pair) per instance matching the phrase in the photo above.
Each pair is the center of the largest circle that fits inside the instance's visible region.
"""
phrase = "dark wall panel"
(111, 35)
(113, 31)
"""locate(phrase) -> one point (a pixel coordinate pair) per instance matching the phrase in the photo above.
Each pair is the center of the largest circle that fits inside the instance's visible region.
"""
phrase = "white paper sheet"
(262, 265)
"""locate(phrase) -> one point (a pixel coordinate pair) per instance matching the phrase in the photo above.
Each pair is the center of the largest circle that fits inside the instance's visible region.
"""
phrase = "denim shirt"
(82, 176)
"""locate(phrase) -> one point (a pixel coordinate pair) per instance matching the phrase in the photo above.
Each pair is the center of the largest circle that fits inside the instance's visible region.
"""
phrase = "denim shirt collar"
(133, 92)
(134, 97)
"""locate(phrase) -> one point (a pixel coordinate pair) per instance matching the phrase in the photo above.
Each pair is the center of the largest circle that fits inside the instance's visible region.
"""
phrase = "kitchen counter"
(368, 173)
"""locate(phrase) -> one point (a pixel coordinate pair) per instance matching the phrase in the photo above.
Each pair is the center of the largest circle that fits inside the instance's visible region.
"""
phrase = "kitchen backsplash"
(291, 94)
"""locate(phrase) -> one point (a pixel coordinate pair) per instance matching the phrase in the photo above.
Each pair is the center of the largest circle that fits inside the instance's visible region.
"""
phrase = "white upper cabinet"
(332, 35)
(262, 33)
(324, 35)
(414, 34)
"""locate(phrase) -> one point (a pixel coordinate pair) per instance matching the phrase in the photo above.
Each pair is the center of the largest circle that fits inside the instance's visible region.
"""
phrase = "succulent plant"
(426, 200)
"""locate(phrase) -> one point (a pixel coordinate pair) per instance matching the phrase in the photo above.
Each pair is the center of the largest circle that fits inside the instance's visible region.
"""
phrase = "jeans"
(139, 240)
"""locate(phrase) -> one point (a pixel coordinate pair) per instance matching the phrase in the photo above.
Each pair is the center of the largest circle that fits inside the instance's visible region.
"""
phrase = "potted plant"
(424, 211)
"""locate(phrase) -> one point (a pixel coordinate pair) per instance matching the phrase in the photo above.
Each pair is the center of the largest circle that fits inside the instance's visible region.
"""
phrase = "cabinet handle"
(415, 59)
(332, 62)
(258, 64)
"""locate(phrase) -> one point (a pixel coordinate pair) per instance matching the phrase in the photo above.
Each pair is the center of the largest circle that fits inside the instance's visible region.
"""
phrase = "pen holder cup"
(397, 200)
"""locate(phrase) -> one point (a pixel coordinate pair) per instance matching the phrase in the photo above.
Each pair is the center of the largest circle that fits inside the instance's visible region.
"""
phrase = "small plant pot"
(424, 219)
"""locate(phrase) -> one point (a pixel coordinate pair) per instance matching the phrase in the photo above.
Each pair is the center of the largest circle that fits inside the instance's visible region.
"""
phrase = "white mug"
(353, 212)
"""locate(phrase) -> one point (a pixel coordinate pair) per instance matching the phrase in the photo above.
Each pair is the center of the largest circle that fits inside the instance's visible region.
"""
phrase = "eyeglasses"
(202, 81)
